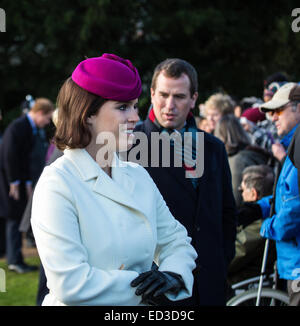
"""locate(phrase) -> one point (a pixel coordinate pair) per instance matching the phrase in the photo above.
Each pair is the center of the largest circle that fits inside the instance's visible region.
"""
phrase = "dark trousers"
(13, 242)
(42, 290)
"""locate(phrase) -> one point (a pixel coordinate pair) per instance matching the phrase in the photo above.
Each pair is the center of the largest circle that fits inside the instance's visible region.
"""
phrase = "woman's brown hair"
(232, 134)
(75, 105)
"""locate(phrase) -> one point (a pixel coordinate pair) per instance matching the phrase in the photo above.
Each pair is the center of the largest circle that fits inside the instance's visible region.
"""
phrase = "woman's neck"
(104, 159)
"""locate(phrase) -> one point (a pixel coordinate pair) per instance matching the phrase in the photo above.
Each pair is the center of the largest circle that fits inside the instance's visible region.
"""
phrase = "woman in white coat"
(99, 222)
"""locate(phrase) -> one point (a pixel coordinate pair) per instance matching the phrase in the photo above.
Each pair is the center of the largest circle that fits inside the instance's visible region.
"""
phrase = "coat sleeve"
(237, 166)
(174, 252)
(285, 225)
(70, 277)
(265, 206)
(229, 212)
(14, 154)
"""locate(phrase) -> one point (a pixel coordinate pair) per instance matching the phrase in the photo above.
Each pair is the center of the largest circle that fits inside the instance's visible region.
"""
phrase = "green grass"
(21, 289)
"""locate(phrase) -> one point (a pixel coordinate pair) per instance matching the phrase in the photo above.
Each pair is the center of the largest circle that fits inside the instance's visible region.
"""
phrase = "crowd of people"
(113, 234)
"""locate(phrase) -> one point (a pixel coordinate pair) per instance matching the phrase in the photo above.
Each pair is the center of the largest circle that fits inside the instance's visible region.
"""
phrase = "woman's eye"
(123, 107)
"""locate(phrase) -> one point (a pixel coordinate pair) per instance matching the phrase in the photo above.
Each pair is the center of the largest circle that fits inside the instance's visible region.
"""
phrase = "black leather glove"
(248, 213)
(153, 284)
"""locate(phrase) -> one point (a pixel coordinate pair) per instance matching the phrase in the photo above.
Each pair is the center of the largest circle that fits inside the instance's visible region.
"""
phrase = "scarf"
(188, 152)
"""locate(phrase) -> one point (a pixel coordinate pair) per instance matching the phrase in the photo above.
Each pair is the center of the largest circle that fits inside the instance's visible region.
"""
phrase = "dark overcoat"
(208, 213)
(15, 149)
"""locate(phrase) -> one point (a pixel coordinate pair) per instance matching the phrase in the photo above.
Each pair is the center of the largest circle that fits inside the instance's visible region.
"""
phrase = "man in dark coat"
(201, 199)
(16, 176)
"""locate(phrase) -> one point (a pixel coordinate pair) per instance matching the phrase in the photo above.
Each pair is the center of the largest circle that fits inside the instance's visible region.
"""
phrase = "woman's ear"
(89, 120)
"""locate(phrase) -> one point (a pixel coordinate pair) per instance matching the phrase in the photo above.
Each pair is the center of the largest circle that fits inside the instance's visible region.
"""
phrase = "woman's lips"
(128, 131)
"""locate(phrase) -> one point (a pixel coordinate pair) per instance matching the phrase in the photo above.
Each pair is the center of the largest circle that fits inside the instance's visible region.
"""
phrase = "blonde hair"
(221, 102)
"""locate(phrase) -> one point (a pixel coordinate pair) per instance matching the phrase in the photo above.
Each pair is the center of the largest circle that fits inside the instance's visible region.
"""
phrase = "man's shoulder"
(20, 124)
(17, 129)
(212, 140)
(22, 120)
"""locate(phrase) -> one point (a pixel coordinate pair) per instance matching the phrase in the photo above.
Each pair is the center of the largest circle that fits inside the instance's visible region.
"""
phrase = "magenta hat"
(110, 77)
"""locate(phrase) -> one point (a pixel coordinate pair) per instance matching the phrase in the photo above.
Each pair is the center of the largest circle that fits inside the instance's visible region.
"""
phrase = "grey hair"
(260, 177)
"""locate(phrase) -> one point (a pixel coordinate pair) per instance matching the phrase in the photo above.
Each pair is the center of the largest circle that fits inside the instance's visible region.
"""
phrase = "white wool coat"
(96, 233)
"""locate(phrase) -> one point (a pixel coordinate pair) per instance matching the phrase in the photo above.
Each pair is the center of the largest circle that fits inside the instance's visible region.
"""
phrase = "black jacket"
(209, 215)
(15, 148)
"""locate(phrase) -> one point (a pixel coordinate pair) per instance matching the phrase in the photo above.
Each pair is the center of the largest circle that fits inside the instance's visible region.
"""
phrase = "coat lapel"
(179, 175)
(120, 188)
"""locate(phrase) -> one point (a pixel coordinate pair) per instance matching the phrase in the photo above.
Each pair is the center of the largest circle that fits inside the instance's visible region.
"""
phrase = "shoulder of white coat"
(136, 168)
(57, 177)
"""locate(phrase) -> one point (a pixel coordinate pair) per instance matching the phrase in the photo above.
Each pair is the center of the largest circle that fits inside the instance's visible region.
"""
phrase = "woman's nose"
(134, 116)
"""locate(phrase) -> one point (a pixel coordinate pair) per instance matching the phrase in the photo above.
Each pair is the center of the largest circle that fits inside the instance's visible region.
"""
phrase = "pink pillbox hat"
(110, 77)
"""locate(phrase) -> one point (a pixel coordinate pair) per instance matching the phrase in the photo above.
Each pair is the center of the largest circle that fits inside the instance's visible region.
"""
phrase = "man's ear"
(152, 92)
(254, 194)
(194, 99)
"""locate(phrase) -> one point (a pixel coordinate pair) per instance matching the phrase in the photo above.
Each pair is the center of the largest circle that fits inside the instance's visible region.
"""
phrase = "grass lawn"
(21, 289)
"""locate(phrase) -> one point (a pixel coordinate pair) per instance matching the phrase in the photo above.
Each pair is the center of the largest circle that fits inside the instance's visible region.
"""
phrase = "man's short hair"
(259, 177)
(44, 105)
(174, 68)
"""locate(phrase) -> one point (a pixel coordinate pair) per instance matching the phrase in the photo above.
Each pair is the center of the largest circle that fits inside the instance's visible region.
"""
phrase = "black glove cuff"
(178, 278)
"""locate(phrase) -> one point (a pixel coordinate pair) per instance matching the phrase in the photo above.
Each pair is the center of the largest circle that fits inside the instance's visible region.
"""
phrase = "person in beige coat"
(99, 222)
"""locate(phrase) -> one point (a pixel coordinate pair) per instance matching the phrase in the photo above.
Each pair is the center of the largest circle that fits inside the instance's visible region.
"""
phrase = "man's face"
(248, 194)
(42, 120)
(213, 116)
(267, 96)
(172, 100)
(285, 118)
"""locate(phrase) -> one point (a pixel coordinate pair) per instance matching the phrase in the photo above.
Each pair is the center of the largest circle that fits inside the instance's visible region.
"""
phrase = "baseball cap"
(287, 93)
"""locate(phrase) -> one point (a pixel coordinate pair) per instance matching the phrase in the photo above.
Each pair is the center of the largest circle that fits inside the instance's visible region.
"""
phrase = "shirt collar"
(33, 125)
(285, 141)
